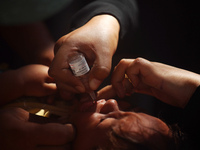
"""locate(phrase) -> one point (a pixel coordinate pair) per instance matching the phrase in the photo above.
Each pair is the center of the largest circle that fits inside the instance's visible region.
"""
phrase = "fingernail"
(94, 83)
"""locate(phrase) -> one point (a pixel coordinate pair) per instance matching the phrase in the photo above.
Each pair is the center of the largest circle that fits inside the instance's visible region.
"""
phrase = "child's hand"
(36, 81)
(169, 84)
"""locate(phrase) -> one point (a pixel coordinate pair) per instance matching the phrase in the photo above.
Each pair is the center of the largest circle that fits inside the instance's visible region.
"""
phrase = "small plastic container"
(80, 69)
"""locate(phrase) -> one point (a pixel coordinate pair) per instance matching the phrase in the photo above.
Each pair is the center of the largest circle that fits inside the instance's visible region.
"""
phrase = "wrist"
(108, 28)
(186, 86)
(192, 84)
(108, 21)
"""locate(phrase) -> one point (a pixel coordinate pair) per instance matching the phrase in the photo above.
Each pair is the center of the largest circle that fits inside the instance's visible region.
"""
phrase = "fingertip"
(50, 88)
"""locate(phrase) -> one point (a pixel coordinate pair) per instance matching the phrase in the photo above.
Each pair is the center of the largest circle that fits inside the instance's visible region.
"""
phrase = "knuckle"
(123, 61)
(101, 72)
(139, 61)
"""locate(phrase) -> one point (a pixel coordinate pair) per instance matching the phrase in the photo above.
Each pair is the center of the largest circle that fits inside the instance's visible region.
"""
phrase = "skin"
(97, 40)
(20, 134)
(30, 80)
(169, 84)
(17, 132)
(96, 121)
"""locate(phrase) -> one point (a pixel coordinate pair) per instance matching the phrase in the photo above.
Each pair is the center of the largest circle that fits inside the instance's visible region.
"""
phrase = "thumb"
(100, 70)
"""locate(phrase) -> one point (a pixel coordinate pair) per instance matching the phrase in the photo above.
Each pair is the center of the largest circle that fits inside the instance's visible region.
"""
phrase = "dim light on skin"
(93, 122)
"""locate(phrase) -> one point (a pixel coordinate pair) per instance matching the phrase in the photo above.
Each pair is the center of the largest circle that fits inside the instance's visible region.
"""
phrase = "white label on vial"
(79, 67)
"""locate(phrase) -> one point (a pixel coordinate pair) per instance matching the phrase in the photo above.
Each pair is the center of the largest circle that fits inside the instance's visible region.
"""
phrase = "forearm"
(11, 86)
(181, 84)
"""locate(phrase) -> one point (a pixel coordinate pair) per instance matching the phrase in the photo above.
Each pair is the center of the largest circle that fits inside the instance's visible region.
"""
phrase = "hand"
(36, 81)
(171, 85)
(20, 134)
(30, 80)
(97, 40)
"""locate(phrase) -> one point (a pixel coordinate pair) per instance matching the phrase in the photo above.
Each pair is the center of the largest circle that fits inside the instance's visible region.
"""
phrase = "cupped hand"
(171, 85)
(97, 40)
(20, 134)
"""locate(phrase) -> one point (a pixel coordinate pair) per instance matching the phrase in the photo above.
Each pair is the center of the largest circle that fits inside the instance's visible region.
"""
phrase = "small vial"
(80, 69)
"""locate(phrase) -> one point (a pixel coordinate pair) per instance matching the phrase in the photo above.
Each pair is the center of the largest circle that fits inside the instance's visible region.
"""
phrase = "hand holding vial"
(80, 69)
(97, 40)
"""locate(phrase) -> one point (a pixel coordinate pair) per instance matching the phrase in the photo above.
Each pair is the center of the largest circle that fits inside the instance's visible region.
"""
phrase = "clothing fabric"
(189, 122)
(16, 12)
(125, 11)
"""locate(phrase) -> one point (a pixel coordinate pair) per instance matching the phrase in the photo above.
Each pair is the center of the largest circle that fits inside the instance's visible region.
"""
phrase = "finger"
(97, 75)
(136, 70)
(100, 70)
(107, 92)
(69, 81)
(60, 71)
(118, 76)
(51, 133)
(50, 88)
(143, 73)
(128, 86)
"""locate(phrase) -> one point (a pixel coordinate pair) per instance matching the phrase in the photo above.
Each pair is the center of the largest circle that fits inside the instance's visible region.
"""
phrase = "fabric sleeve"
(20, 12)
(125, 11)
(191, 118)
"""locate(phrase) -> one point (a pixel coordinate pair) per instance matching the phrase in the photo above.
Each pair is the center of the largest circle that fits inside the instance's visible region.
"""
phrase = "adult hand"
(171, 85)
(18, 133)
(97, 40)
